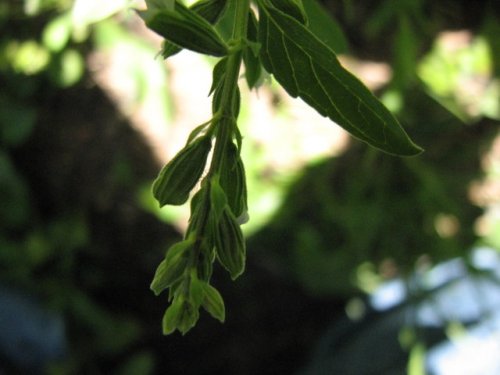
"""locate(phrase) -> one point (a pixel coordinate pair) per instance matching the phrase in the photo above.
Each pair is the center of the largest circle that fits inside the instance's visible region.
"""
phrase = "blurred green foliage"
(345, 224)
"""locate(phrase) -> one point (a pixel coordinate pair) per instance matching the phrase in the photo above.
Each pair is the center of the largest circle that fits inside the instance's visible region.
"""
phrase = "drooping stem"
(230, 85)
(226, 119)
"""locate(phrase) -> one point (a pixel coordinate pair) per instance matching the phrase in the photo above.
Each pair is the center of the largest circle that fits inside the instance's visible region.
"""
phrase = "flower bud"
(172, 267)
(229, 243)
(180, 175)
(213, 303)
(233, 181)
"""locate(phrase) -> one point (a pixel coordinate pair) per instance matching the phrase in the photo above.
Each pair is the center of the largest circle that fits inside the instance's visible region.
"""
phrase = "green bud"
(172, 267)
(205, 261)
(196, 290)
(229, 243)
(171, 317)
(180, 315)
(180, 175)
(218, 200)
(213, 303)
(233, 182)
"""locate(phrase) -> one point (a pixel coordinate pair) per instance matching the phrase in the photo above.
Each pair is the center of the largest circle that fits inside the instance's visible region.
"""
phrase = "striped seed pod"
(213, 303)
(180, 175)
(229, 243)
(233, 181)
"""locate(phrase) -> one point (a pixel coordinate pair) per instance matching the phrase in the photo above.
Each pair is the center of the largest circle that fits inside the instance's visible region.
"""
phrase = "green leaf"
(218, 74)
(213, 303)
(180, 175)
(307, 68)
(325, 27)
(293, 8)
(186, 29)
(210, 10)
(160, 4)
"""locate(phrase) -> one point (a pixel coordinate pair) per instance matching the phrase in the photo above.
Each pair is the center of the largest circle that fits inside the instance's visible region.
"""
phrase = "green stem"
(227, 119)
(225, 126)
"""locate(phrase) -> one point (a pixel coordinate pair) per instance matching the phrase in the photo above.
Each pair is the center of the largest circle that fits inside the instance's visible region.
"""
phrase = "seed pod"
(205, 261)
(229, 243)
(196, 291)
(188, 317)
(180, 175)
(213, 303)
(233, 181)
(187, 29)
(180, 315)
(172, 267)
(172, 316)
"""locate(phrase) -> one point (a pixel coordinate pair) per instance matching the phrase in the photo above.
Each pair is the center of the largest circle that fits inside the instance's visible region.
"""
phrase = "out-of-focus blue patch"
(31, 336)
(427, 303)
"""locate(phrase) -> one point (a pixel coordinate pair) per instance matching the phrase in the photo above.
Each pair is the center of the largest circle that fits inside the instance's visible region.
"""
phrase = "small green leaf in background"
(307, 68)
(405, 54)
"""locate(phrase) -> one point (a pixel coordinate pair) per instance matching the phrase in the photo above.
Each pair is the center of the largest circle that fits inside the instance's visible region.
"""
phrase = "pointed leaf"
(210, 10)
(307, 68)
(187, 29)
